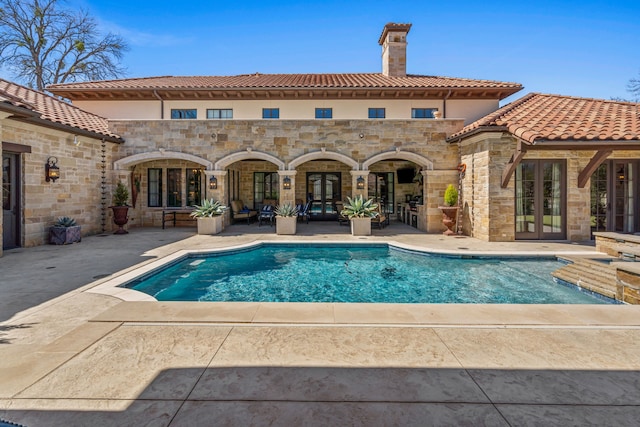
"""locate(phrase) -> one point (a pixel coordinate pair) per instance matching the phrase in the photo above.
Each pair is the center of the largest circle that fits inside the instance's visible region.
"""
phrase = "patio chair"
(381, 219)
(303, 211)
(266, 214)
(341, 218)
(240, 211)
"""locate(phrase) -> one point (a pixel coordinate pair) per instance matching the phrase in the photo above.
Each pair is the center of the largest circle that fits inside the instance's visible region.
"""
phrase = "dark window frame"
(324, 113)
(423, 113)
(221, 115)
(155, 192)
(184, 113)
(271, 113)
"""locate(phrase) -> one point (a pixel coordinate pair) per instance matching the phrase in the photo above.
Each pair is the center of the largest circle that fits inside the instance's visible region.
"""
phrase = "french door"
(324, 189)
(11, 209)
(541, 200)
(615, 197)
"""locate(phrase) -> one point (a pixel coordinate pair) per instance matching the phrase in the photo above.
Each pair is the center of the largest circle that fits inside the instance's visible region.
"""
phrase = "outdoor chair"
(239, 211)
(341, 218)
(381, 219)
(303, 211)
(266, 214)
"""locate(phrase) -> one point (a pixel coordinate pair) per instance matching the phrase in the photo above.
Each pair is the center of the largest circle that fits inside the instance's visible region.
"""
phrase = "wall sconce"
(213, 183)
(51, 170)
(286, 183)
(360, 183)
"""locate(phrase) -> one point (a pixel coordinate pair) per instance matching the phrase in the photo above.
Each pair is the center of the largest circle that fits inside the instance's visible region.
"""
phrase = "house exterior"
(38, 130)
(550, 167)
(321, 133)
(542, 167)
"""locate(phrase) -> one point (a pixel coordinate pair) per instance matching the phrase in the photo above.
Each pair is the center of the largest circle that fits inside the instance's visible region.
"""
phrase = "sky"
(578, 48)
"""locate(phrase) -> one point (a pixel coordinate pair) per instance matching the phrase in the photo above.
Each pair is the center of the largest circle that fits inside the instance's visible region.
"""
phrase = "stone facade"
(77, 193)
(233, 150)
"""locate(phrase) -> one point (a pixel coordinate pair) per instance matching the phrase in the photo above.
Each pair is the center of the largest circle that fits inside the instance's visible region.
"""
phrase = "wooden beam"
(591, 167)
(510, 168)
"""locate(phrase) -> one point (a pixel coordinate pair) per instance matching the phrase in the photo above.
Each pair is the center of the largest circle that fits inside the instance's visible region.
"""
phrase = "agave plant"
(286, 210)
(65, 221)
(360, 208)
(208, 208)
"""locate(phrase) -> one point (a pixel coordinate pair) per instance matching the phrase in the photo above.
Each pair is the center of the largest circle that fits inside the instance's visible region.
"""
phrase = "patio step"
(592, 273)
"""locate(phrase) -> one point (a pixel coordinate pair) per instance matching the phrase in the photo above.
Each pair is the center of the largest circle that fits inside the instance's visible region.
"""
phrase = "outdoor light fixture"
(51, 170)
(360, 183)
(286, 183)
(213, 183)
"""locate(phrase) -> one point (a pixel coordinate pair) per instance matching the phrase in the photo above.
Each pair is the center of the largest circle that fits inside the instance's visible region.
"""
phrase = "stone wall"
(286, 140)
(76, 194)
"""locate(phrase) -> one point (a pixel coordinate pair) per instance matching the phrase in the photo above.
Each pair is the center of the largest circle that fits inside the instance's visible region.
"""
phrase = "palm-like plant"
(208, 209)
(360, 208)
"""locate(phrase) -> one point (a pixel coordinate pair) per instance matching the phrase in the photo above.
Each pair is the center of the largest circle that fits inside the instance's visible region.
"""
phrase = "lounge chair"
(239, 211)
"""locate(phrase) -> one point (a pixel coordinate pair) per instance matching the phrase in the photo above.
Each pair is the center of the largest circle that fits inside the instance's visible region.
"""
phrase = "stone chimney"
(394, 49)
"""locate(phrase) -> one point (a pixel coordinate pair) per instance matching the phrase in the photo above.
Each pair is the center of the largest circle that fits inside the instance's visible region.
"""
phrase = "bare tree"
(633, 87)
(42, 44)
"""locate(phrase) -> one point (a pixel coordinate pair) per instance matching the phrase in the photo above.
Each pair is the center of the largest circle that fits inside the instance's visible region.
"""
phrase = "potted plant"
(450, 209)
(65, 231)
(360, 212)
(286, 218)
(209, 216)
(120, 207)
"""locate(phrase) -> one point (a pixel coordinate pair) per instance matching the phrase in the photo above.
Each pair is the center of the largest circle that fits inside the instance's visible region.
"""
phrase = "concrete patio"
(74, 357)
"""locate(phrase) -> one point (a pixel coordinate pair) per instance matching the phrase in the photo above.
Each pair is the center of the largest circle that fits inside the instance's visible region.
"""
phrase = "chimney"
(394, 49)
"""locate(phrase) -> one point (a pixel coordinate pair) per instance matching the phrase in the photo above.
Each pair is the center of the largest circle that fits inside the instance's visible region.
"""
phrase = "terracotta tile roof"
(288, 81)
(540, 117)
(53, 110)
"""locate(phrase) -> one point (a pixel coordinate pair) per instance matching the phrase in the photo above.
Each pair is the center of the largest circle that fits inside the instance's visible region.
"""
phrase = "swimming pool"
(357, 273)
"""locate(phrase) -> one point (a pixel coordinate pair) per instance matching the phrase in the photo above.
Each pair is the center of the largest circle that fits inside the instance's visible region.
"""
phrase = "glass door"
(323, 189)
(381, 190)
(624, 201)
(11, 208)
(540, 200)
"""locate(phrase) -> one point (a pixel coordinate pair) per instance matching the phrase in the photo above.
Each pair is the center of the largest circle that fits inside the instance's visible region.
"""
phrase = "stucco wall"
(468, 110)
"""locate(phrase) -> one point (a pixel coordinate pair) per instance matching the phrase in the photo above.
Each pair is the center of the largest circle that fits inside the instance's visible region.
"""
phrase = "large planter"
(120, 218)
(361, 226)
(210, 225)
(64, 235)
(286, 224)
(449, 217)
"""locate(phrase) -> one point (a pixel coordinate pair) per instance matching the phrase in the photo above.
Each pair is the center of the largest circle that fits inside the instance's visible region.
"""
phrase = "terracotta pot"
(449, 217)
(120, 218)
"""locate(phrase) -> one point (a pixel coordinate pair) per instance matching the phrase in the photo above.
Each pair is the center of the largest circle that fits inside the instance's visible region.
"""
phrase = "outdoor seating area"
(240, 212)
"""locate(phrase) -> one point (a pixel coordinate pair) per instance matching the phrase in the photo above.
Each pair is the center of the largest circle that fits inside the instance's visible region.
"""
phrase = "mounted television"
(405, 175)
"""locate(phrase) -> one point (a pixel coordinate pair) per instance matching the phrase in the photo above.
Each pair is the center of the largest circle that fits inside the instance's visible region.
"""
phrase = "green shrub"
(65, 221)
(121, 195)
(451, 196)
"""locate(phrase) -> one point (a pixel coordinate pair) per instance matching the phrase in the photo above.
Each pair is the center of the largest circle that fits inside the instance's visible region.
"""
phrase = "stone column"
(287, 195)
(354, 184)
(434, 184)
(220, 192)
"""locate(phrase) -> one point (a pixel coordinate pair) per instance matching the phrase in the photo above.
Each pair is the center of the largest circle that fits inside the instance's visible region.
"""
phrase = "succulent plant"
(208, 209)
(286, 209)
(360, 208)
(65, 221)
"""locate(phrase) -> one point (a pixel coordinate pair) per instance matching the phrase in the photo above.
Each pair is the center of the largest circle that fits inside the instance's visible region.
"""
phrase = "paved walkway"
(70, 356)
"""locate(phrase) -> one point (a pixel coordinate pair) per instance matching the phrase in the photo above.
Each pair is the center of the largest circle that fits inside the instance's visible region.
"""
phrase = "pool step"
(589, 273)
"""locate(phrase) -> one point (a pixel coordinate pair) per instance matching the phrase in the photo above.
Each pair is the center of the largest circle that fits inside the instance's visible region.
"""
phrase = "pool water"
(362, 274)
